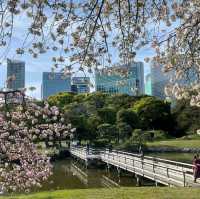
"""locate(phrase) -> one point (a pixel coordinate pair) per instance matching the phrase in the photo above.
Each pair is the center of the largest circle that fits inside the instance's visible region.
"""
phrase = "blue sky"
(35, 67)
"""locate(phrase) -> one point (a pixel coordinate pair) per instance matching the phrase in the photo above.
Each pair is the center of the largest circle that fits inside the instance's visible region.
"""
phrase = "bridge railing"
(91, 151)
(158, 169)
(184, 166)
(165, 171)
(84, 152)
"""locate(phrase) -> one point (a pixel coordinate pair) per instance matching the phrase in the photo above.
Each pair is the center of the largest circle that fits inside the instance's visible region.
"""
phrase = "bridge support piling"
(138, 180)
(119, 174)
(86, 164)
(108, 167)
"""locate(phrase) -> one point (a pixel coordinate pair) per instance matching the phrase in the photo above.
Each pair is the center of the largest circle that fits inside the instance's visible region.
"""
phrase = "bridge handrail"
(83, 150)
(154, 158)
(169, 171)
(157, 174)
(174, 171)
(150, 163)
(155, 164)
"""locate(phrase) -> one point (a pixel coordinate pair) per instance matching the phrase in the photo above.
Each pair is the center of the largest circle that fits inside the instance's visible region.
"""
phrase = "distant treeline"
(102, 118)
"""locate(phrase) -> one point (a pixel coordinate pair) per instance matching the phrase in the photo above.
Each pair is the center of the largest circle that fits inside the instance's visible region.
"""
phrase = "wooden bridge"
(88, 156)
(166, 172)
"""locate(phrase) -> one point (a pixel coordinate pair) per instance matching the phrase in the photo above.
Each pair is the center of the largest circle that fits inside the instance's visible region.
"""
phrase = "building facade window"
(108, 82)
(53, 83)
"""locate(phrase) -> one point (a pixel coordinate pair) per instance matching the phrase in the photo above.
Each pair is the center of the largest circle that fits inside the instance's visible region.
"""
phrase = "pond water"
(70, 174)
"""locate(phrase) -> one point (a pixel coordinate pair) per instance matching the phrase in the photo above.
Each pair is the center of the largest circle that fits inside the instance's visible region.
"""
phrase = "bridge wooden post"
(168, 176)
(184, 179)
(133, 164)
(154, 171)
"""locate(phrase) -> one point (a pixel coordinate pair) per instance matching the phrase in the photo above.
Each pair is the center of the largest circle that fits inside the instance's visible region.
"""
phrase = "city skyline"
(34, 74)
(36, 66)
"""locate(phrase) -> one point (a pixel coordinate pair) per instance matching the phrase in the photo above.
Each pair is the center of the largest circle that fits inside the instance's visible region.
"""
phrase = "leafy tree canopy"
(187, 118)
(128, 116)
(61, 99)
(107, 114)
(153, 113)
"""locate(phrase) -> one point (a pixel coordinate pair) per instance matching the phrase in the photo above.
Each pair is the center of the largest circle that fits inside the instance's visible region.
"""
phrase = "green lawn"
(121, 193)
(180, 143)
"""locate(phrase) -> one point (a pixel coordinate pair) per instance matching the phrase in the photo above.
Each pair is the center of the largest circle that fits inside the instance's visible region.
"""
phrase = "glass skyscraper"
(80, 84)
(125, 79)
(15, 74)
(159, 80)
(53, 83)
(148, 90)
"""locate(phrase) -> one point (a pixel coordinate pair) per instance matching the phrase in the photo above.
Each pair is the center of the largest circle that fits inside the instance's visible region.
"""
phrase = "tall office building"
(53, 83)
(148, 90)
(127, 79)
(80, 84)
(15, 74)
(159, 80)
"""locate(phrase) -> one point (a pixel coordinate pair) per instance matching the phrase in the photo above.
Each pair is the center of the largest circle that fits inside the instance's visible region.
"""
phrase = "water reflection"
(92, 178)
(80, 174)
(68, 174)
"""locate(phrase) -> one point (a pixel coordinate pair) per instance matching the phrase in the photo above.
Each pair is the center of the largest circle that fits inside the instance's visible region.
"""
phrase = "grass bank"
(179, 143)
(121, 193)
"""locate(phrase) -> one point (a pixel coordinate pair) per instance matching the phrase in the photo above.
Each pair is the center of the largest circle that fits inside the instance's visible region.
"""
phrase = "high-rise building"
(80, 85)
(127, 79)
(15, 74)
(159, 80)
(53, 83)
(148, 90)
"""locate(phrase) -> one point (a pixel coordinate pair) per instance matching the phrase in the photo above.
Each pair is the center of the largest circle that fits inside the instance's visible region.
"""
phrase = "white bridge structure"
(163, 171)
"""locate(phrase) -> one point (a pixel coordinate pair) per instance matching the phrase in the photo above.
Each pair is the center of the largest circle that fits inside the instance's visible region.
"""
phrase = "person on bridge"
(196, 167)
